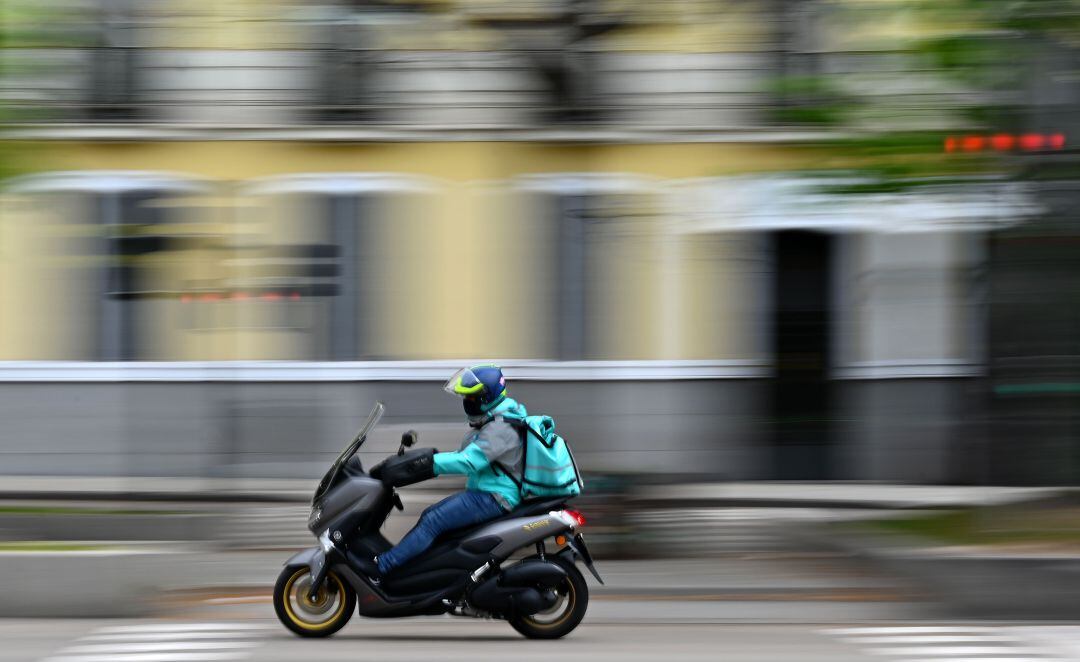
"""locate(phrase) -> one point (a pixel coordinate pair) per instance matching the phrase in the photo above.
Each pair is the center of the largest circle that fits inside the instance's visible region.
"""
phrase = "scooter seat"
(445, 557)
(526, 508)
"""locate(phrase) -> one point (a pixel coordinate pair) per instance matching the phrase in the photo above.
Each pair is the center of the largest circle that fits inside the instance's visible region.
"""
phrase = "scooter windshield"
(372, 420)
(328, 479)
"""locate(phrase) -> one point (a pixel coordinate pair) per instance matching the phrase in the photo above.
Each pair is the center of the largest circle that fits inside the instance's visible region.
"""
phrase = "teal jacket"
(496, 442)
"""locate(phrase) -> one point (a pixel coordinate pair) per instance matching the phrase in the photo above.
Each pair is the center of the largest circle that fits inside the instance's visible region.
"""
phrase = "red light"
(271, 296)
(209, 296)
(1003, 142)
(1032, 141)
(240, 295)
(577, 517)
(972, 143)
(185, 298)
(295, 296)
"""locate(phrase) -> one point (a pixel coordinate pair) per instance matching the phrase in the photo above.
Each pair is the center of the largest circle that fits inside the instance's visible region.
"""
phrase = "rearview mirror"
(409, 438)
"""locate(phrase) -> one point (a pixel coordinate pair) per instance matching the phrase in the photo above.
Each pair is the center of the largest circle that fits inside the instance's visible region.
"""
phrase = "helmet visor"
(464, 384)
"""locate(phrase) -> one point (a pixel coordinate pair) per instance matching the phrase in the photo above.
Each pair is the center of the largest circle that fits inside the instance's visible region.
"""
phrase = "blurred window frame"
(117, 332)
(345, 195)
(571, 193)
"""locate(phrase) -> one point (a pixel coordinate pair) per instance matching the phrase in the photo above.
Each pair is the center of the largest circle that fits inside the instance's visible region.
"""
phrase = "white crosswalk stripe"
(1062, 641)
(156, 636)
(164, 642)
(961, 643)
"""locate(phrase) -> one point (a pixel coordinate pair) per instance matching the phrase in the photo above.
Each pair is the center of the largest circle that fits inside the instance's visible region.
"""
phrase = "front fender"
(315, 559)
(304, 557)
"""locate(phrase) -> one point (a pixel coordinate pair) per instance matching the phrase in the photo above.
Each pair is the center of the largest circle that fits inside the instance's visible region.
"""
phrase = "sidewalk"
(641, 521)
(841, 494)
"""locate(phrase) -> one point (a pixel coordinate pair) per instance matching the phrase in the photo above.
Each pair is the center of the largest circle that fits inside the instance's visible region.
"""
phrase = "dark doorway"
(802, 321)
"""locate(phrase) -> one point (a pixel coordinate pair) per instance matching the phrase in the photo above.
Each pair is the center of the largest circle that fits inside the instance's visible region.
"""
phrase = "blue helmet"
(482, 387)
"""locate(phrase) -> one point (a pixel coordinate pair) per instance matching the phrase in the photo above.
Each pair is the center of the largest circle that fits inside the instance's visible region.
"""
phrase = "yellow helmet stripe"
(467, 390)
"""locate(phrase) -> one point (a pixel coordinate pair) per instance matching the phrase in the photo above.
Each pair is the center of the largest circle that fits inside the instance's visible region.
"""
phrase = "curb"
(983, 586)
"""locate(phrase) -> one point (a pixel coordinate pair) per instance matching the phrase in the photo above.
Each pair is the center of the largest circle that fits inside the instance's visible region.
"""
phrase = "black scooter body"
(461, 571)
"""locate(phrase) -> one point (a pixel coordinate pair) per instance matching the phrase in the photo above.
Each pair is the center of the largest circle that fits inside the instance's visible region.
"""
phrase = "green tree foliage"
(978, 51)
(26, 25)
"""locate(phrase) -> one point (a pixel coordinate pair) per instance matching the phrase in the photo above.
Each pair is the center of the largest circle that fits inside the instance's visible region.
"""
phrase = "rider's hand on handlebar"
(412, 467)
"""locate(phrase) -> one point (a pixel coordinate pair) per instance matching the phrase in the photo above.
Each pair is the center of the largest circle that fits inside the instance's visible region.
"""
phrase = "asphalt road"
(664, 631)
(410, 640)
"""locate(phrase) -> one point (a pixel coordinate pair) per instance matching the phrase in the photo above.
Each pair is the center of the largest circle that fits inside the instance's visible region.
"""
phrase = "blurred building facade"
(246, 221)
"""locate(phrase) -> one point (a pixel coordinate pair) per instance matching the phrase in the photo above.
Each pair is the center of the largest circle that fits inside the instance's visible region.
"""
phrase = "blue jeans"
(453, 512)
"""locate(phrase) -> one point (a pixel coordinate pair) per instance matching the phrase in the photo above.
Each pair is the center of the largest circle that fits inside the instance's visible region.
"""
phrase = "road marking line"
(943, 643)
(1057, 641)
(150, 657)
(181, 646)
(944, 651)
(932, 638)
(165, 636)
(920, 629)
(997, 659)
(183, 627)
(165, 642)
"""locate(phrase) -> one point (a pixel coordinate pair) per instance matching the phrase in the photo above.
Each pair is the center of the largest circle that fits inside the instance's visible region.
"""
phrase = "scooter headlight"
(325, 542)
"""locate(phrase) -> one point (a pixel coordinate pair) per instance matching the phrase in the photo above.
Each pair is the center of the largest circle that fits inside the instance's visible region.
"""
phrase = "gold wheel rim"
(324, 594)
(568, 609)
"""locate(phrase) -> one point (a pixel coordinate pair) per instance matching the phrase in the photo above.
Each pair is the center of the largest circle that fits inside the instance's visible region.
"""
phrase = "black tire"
(334, 588)
(575, 593)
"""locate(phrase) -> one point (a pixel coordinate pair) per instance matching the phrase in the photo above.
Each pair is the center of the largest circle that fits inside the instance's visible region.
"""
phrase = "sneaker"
(368, 566)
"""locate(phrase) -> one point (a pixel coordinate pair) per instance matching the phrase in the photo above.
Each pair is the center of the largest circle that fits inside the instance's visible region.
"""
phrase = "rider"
(490, 455)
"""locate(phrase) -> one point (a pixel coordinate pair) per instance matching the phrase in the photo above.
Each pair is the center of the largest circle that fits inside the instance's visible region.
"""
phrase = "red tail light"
(578, 517)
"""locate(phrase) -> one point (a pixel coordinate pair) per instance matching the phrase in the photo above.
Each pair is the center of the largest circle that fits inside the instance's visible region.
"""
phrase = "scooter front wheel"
(331, 609)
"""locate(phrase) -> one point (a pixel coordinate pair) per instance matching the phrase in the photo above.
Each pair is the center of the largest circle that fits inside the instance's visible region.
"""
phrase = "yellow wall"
(42, 288)
(454, 161)
(433, 300)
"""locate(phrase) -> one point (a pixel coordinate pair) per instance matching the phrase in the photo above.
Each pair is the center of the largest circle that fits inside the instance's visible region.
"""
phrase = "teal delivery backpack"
(549, 469)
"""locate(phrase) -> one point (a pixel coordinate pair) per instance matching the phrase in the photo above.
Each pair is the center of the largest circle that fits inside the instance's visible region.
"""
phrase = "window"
(601, 273)
(93, 269)
(114, 62)
(314, 246)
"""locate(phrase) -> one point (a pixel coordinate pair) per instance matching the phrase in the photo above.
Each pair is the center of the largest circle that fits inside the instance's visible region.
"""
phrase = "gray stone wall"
(911, 430)
(294, 430)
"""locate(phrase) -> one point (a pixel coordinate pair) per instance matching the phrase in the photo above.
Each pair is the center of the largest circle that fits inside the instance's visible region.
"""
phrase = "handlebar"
(406, 468)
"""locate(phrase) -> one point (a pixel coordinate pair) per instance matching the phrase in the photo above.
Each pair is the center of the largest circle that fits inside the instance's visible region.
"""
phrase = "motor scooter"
(500, 569)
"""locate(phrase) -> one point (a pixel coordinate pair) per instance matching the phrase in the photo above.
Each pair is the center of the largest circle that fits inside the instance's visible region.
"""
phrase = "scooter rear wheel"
(565, 615)
(331, 609)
